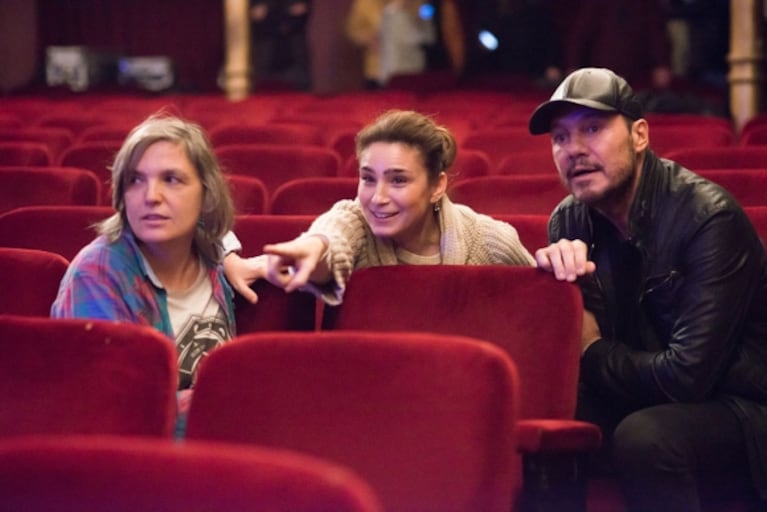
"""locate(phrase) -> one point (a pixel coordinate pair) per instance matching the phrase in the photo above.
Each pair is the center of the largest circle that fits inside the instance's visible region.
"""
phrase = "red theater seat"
(270, 133)
(527, 162)
(26, 153)
(311, 196)
(249, 194)
(728, 157)
(428, 420)
(275, 309)
(756, 136)
(748, 187)
(30, 280)
(498, 143)
(275, 164)
(63, 230)
(533, 317)
(128, 474)
(96, 156)
(56, 139)
(666, 138)
(758, 216)
(26, 186)
(532, 229)
(85, 377)
(532, 194)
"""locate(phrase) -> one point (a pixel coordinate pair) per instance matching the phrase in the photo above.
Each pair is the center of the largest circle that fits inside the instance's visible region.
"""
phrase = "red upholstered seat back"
(525, 311)
(311, 196)
(531, 194)
(249, 194)
(427, 420)
(25, 186)
(96, 156)
(127, 474)
(268, 133)
(758, 217)
(85, 377)
(498, 143)
(668, 137)
(726, 157)
(532, 229)
(747, 186)
(25, 153)
(29, 280)
(275, 309)
(60, 229)
(275, 164)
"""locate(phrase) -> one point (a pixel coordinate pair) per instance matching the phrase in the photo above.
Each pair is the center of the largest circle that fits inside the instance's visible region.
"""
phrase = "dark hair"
(435, 143)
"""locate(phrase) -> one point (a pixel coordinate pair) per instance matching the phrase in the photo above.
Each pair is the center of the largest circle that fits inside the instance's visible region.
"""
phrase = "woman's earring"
(437, 207)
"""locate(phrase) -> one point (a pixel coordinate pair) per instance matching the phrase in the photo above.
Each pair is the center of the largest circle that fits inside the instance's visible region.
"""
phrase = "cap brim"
(540, 121)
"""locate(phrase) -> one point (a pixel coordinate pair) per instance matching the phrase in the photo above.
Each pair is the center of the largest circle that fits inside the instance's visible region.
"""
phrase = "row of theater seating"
(66, 229)
(508, 149)
(464, 109)
(293, 395)
(532, 318)
(366, 416)
(308, 195)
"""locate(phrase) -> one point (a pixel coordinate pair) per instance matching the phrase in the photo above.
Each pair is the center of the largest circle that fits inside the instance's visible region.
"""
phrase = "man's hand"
(243, 272)
(566, 259)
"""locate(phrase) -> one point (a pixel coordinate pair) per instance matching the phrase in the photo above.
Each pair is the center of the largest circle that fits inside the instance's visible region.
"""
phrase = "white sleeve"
(231, 243)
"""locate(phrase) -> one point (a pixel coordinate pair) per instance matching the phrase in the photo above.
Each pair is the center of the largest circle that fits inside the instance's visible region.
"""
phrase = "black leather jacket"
(681, 304)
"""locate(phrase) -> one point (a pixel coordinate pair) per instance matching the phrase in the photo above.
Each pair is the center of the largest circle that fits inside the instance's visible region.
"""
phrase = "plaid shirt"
(110, 281)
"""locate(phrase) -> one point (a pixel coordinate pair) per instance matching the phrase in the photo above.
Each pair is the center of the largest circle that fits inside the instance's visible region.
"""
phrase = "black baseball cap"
(597, 88)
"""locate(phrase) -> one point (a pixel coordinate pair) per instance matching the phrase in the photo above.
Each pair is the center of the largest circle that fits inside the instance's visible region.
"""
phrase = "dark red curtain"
(190, 32)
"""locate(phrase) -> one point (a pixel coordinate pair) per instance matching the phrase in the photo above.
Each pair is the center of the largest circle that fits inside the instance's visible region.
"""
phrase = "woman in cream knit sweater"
(401, 215)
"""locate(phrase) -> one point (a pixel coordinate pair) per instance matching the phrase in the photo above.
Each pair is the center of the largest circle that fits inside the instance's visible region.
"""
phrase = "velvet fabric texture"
(503, 141)
(427, 419)
(720, 157)
(531, 228)
(312, 196)
(290, 134)
(30, 280)
(60, 229)
(275, 309)
(129, 474)
(275, 164)
(249, 194)
(533, 194)
(749, 188)
(25, 186)
(523, 310)
(666, 138)
(97, 157)
(25, 153)
(758, 217)
(85, 377)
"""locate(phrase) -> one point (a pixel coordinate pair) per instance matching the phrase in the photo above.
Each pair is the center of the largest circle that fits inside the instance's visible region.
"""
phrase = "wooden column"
(236, 79)
(746, 59)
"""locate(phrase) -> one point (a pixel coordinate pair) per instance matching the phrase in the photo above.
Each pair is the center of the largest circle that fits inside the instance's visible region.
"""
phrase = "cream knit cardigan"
(468, 238)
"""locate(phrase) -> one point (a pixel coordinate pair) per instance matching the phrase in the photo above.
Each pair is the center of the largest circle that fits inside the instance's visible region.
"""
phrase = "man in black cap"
(674, 282)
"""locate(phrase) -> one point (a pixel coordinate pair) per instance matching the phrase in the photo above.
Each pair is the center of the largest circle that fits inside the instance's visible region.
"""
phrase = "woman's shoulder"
(101, 252)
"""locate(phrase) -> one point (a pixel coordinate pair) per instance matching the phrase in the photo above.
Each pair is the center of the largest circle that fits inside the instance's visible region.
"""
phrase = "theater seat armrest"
(536, 436)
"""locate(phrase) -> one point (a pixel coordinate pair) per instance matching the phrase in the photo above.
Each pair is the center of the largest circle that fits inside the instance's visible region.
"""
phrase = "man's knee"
(644, 443)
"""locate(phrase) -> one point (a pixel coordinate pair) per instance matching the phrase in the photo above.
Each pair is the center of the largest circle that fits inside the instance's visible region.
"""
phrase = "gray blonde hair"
(217, 216)
(435, 143)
